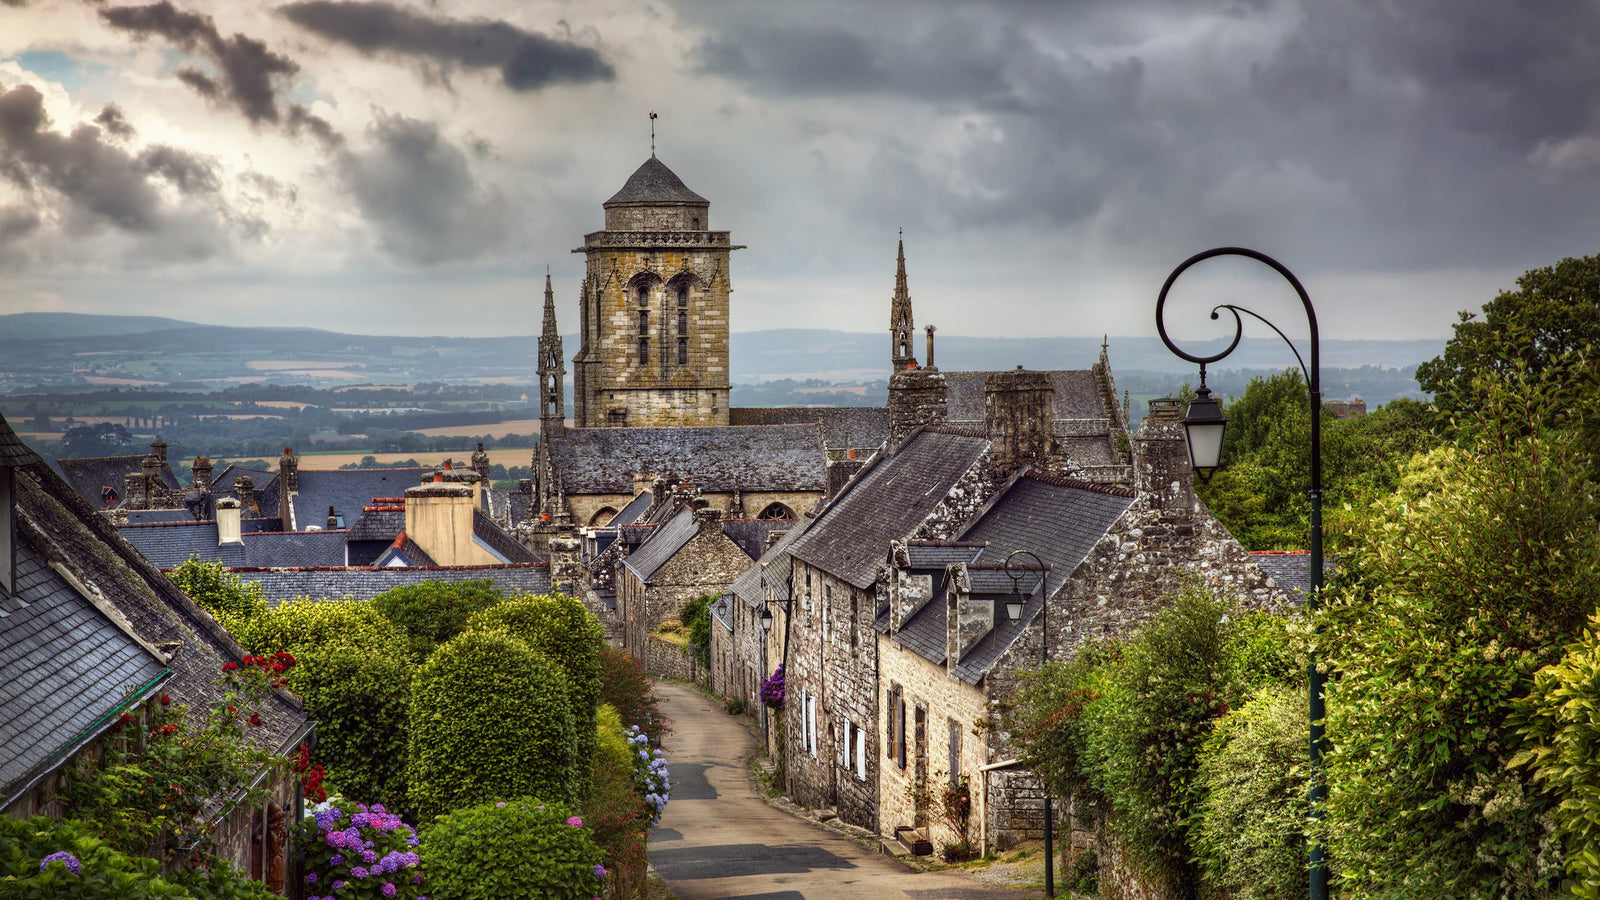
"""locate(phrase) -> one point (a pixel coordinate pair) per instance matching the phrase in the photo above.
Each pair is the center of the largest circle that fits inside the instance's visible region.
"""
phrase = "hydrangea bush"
(356, 852)
(518, 848)
(51, 859)
(772, 688)
(650, 773)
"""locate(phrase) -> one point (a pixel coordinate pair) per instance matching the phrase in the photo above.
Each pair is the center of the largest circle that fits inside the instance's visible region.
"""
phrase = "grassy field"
(512, 426)
(505, 456)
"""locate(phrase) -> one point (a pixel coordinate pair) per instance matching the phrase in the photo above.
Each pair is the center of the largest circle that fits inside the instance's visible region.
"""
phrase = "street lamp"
(1203, 428)
(1014, 602)
(766, 619)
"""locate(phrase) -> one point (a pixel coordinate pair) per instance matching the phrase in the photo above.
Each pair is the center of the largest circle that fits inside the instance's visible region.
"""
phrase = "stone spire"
(552, 368)
(900, 324)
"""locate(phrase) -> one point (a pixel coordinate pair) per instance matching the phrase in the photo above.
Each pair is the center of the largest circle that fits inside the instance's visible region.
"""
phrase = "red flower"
(166, 700)
(230, 667)
(232, 710)
(255, 719)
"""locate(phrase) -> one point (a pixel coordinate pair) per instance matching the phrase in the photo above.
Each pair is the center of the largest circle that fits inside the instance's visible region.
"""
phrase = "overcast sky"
(405, 167)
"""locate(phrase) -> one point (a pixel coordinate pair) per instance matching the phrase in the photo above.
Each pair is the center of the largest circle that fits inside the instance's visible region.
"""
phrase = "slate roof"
(512, 506)
(751, 458)
(152, 516)
(842, 426)
(887, 501)
(938, 554)
(751, 534)
(1077, 395)
(379, 523)
(224, 481)
(496, 539)
(367, 582)
(773, 569)
(407, 552)
(294, 548)
(87, 475)
(634, 511)
(71, 531)
(1058, 519)
(348, 491)
(170, 544)
(1291, 569)
(653, 182)
(13, 452)
(66, 671)
(663, 545)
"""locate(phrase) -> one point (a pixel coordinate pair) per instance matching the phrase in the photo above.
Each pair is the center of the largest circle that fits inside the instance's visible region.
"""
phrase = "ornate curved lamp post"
(1203, 428)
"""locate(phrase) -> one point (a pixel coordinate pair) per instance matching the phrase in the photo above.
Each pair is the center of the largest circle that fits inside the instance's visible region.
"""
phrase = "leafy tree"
(99, 439)
(628, 688)
(696, 616)
(433, 612)
(360, 701)
(1554, 310)
(1456, 590)
(233, 601)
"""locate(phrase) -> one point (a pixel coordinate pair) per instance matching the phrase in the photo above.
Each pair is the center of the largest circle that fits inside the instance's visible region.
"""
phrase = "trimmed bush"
(629, 689)
(360, 701)
(520, 848)
(49, 859)
(614, 809)
(1249, 834)
(303, 626)
(559, 627)
(234, 602)
(433, 612)
(490, 717)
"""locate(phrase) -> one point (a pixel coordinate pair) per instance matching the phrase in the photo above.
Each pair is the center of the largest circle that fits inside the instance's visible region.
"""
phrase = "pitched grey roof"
(842, 426)
(66, 671)
(379, 523)
(73, 533)
(751, 534)
(1058, 519)
(226, 479)
(653, 182)
(13, 452)
(495, 537)
(1077, 395)
(366, 583)
(87, 475)
(662, 546)
(152, 516)
(887, 501)
(169, 544)
(751, 458)
(1291, 570)
(406, 552)
(348, 491)
(294, 548)
(938, 554)
(772, 570)
(635, 510)
(510, 505)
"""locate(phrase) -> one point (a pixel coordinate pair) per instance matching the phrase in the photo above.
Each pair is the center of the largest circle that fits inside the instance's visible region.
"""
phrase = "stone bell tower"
(552, 369)
(654, 309)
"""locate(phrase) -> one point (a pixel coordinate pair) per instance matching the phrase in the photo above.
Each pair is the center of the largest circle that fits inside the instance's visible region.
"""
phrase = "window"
(683, 351)
(861, 753)
(811, 725)
(644, 293)
(644, 350)
(955, 751)
(644, 321)
(895, 727)
(683, 296)
(855, 613)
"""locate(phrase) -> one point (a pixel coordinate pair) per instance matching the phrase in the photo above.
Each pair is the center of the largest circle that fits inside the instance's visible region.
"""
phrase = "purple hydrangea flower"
(336, 860)
(311, 878)
(338, 885)
(63, 857)
(359, 871)
(575, 822)
(599, 871)
(417, 878)
(368, 857)
(388, 889)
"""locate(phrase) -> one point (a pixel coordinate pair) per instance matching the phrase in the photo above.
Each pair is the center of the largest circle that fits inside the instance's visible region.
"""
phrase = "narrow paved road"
(719, 840)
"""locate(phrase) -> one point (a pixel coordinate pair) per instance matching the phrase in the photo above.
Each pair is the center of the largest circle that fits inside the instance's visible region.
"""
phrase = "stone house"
(90, 629)
(742, 654)
(690, 555)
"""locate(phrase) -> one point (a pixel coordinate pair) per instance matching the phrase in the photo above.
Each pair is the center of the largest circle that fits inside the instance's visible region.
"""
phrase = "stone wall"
(708, 564)
(665, 659)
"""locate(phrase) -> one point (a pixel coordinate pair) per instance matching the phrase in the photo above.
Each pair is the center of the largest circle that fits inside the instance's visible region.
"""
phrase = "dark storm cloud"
(526, 60)
(248, 74)
(86, 185)
(418, 191)
(114, 122)
(1437, 132)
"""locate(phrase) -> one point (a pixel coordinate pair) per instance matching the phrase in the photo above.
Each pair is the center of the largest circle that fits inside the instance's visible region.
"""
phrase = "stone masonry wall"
(664, 659)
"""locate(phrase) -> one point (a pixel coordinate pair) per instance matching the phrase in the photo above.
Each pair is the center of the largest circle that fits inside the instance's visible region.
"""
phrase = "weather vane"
(652, 135)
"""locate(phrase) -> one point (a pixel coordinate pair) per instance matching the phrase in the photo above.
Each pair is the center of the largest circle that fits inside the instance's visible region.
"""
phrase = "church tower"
(654, 309)
(901, 327)
(552, 369)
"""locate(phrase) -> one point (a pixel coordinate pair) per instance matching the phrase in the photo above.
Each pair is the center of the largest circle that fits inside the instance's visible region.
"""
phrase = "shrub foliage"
(517, 848)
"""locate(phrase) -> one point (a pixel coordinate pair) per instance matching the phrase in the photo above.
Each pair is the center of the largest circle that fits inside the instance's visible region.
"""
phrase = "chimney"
(201, 469)
(917, 397)
(133, 490)
(150, 471)
(288, 487)
(1016, 417)
(709, 520)
(228, 522)
(245, 486)
(643, 481)
(480, 462)
(931, 330)
(439, 520)
(1161, 469)
(158, 449)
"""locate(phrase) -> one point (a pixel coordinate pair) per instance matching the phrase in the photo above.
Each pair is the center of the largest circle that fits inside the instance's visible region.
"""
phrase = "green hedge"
(304, 626)
(520, 848)
(433, 612)
(559, 627)
(360, 701)
(490, 717)
(103, 873)
(234, 602)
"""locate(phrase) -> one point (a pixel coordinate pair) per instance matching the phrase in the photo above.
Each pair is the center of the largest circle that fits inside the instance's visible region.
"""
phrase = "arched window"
(603, 516)
(776, 511)
(643, 291)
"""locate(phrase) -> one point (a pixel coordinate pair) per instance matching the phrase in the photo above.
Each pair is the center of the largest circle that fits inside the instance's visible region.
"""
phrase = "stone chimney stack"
(930, 329)
(245, 487)
(134, 491)
(1161, 469)
(709, 519)
(228, 527)
(288, 487)
(201, 479)
(150, 471)
(158, 449)
(480, 463)
(917, 397)
(1016, 417)
(439, 519)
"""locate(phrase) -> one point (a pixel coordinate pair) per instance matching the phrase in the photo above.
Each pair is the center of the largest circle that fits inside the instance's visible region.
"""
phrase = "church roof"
(653, 182)
(715, 459)
(1077, 395)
